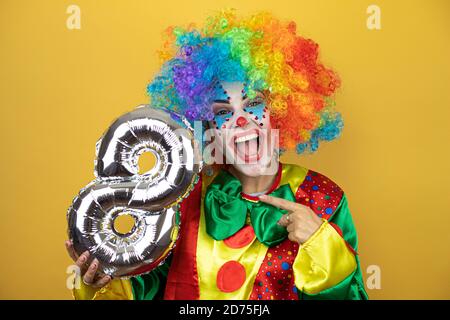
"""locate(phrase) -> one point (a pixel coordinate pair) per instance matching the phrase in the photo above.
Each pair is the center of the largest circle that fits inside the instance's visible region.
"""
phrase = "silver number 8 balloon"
(152, 199)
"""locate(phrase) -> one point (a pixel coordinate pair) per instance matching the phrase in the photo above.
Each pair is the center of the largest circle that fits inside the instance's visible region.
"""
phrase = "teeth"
(246, 138)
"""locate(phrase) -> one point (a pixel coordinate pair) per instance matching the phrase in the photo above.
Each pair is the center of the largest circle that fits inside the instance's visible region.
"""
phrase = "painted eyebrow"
(222, 101)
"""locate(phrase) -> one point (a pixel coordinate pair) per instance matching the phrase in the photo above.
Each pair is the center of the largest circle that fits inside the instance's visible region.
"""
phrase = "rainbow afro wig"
(266, 54)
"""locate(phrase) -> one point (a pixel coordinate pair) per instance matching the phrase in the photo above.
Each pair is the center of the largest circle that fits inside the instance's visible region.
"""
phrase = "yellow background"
(60, 89)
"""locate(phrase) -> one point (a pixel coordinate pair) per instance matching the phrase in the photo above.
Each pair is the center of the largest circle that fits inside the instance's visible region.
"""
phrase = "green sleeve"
(352, 287)
(151, 286)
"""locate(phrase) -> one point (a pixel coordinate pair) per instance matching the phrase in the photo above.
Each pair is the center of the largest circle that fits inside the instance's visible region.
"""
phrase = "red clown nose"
(241, 121)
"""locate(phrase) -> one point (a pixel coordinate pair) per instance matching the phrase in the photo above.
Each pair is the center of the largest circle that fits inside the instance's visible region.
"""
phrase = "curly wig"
(263, 52)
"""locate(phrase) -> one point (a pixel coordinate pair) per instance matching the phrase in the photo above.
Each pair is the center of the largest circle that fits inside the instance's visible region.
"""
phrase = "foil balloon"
(151, 199)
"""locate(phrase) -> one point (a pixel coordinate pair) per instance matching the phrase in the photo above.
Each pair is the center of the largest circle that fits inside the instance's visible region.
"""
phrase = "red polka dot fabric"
(320, 194)
(275, 278)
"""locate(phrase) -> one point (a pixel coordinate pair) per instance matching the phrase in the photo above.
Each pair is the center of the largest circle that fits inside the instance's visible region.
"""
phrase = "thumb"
(283, 220)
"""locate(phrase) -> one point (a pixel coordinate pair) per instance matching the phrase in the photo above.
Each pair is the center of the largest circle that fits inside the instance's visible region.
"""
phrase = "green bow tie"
(226, 211)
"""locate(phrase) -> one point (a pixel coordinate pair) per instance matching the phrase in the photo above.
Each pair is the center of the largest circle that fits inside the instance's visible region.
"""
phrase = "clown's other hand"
(89, 274)
(300, 221)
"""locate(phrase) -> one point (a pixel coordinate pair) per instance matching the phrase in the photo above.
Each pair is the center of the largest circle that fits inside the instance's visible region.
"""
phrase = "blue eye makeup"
(221, 117)
(257, 110)
(220, 94)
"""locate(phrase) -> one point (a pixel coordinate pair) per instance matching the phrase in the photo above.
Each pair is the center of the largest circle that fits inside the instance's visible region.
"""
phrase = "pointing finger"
(278, 202)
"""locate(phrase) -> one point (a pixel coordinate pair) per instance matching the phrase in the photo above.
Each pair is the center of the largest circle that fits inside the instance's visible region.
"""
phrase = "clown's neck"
(256, 184)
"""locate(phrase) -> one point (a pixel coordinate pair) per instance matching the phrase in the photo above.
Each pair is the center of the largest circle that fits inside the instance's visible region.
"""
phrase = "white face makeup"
(242, 130)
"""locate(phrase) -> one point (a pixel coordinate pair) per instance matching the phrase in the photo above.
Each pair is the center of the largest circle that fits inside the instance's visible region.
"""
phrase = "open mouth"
(247, 145)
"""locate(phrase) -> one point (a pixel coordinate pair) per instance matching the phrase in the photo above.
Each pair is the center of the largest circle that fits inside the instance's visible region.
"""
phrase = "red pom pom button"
(241, 238)
(231, 276)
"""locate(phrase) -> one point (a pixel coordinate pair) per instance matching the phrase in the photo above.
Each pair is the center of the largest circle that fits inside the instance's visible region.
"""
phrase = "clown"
(253, 227)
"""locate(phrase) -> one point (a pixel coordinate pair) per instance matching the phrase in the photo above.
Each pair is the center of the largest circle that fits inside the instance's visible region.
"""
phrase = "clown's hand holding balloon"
(151, 199)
